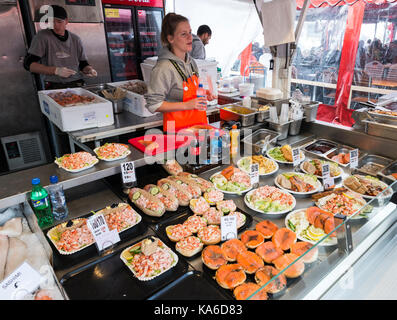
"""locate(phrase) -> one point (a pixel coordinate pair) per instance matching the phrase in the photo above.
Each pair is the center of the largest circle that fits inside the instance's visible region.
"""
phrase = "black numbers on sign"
(98, 222)
(128, 166)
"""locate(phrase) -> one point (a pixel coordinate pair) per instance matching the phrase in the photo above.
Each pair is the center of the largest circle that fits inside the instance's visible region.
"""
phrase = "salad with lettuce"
(269, 199)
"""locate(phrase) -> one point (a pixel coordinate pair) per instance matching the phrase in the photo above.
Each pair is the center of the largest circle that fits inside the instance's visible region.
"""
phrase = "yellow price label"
(112, 13)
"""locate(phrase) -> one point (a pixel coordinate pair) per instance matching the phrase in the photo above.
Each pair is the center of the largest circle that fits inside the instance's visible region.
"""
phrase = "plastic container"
(58, 202)
(41, 204)
(234, 141)
(246, 89)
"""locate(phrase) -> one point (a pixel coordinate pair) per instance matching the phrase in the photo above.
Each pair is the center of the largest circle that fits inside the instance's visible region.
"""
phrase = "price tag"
(296, 156)
(24, 280)
(328, 183)
(354, 158)
(254, 173)
(228, 227)
(326, 171)
(128, 172)
(103, 236)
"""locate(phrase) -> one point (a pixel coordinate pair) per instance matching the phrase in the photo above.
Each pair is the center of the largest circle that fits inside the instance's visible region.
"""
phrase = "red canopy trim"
(332, 3)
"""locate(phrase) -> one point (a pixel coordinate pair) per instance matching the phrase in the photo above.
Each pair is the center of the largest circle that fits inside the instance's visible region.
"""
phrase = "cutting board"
(165, 143)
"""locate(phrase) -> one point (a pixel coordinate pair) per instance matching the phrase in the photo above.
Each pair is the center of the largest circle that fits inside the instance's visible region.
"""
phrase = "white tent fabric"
(234, 24)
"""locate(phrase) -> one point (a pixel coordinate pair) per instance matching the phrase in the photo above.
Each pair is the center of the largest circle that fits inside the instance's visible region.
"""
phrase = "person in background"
(58, 55)
(200, 40)
(174, 79)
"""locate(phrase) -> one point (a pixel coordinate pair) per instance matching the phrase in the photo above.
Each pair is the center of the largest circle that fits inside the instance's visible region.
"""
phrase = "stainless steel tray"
(236, 113)
(378, 162)
(321, 141)
(383, 130)
(387, 171)
(254, 140)
(343, 149)
(383, 118)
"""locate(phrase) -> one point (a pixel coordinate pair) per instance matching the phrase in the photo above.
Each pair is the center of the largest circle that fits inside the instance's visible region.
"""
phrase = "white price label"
(328, 183)
(326, 171)
(23, 281)
(100, 230)
(128, 172)
(228, 227)
(296, 156)
(254, 173)
(354, 158)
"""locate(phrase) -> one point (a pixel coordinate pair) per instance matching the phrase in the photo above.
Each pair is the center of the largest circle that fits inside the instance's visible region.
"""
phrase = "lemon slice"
(127, 255)
(315, 233)
(347, 196)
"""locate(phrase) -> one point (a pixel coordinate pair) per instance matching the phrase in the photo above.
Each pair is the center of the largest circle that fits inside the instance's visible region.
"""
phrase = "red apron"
(173, 121)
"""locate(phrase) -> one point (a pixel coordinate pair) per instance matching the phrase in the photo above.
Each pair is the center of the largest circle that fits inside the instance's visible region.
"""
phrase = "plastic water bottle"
(57, 196)
(201, 92)
(41, 204)
(234, 142)
(216, 147)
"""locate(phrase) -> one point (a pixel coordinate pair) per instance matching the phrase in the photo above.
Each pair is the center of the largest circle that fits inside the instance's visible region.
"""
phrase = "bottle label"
(40, 203)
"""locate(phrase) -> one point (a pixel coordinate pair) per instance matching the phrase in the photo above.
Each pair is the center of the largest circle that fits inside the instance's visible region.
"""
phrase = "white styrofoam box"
(91, 115)
(133, 102)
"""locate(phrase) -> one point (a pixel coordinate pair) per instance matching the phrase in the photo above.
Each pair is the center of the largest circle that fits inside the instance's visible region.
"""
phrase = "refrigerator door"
(121, 43)
(149, 29)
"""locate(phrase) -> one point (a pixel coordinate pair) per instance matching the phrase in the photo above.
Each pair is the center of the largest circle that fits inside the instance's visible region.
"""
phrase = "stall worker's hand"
(197, 104)
(90, 72)
(64, 72)
(211, 96)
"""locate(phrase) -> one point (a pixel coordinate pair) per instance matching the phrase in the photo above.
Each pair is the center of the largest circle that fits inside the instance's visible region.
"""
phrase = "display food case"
(309, 275)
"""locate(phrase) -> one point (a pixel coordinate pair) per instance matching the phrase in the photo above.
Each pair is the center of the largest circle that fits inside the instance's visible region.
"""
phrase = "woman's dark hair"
(168, 26)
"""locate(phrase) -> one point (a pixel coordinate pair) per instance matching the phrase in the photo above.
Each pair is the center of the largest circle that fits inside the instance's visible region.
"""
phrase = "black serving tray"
(191, 286)
(160, 229)
(146, 175)
(61, 261)
(110, 279)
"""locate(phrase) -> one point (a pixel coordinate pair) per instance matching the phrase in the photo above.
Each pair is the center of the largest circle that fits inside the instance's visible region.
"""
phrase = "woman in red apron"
(174, 80)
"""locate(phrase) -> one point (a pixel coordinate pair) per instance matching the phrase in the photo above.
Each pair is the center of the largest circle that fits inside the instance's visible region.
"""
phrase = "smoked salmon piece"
(232, 248)
(230, 276)
(263, 276)
(250, 261)
(268, 251)
(267, 228)
(245, 290)
(321, 219)
(283, 238)
(294, 270)
(228, 172)
(299, 248)
(252, 238)
(213, 257)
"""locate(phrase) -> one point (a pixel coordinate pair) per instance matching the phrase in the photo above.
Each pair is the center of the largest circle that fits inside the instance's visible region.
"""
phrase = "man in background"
(202, 38)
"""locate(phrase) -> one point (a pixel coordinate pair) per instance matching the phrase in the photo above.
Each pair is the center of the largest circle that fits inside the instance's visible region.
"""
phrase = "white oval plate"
(77, 170)
(302, 157)
(324, 243)
(262, 175)
(320, 177)
(389, 194)
(317, 189)
(228, 192)
(249, 205)
(356, 217)
(125, 155)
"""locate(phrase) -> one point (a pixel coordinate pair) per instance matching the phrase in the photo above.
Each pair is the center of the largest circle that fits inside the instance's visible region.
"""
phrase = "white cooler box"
(133, 102)
(90, 115)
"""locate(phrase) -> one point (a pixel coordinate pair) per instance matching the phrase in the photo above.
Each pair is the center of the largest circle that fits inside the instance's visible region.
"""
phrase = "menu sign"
(141, 3)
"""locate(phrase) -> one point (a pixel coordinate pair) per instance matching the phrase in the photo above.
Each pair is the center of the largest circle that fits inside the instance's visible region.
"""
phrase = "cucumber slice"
(165, 186)
(154, 191)
(136, 196)
(225, 210)
(178, 181)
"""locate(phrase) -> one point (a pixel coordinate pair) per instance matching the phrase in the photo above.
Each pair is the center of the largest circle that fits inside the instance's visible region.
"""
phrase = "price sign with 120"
(128, 172)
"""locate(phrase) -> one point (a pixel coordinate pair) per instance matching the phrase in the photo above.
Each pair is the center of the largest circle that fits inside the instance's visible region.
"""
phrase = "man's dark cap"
(59, 12)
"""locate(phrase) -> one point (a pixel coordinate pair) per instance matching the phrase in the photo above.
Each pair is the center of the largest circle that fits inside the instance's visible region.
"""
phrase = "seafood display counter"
(315, 235)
